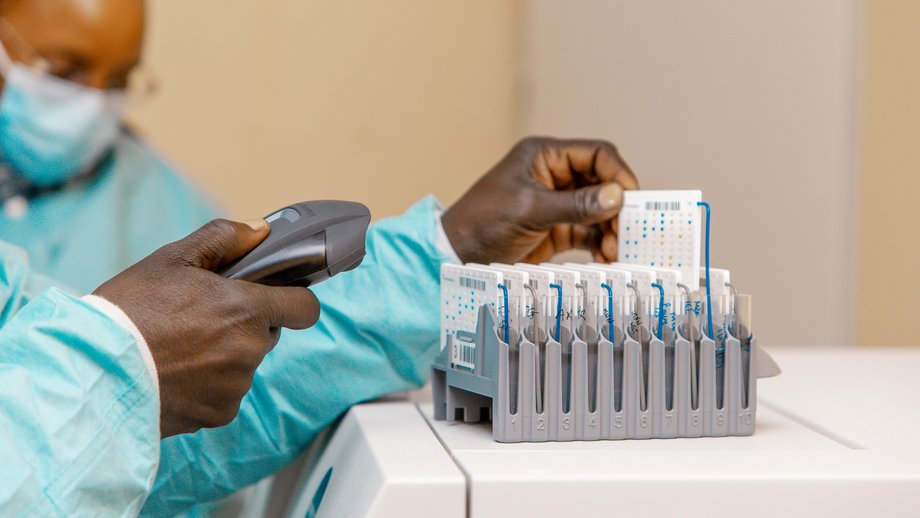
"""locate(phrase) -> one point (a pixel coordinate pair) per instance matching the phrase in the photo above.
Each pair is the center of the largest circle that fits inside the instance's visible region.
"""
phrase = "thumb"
(581, 206)
(220, 242)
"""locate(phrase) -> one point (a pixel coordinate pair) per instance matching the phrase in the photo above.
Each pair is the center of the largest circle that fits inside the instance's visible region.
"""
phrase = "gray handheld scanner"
(309, 242)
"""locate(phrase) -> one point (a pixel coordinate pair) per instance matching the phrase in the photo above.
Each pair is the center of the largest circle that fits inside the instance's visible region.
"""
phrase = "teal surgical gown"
(83, 236)
(79, 416)
(377, 333)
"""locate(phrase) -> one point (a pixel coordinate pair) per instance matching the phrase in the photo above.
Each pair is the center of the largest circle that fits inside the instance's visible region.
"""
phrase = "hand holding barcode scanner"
(545, 196)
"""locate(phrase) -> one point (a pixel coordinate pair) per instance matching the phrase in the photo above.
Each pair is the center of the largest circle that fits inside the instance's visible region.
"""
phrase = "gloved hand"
(545, 196)
(207, 333)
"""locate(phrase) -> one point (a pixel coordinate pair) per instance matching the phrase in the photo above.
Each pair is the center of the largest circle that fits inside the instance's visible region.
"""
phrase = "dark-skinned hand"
(207, 333)
(544, 197)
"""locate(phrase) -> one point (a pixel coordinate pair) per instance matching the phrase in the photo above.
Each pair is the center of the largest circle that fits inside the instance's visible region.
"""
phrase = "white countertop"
(834, 438)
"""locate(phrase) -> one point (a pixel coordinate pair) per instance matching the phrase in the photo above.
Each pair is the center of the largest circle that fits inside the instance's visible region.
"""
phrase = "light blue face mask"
(52, 129)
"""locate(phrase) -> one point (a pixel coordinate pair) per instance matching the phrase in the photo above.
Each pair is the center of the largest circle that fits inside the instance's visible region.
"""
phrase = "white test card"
(539, 281)
(669, 279)
(719, 280)
(662, 229)
(519, 298)
(572, 296)
(591, 280)
(618, 280)
(566, 279)
(464, 289)
(643, 277)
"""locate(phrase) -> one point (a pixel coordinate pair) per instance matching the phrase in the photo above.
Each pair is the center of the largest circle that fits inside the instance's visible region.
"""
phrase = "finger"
(562, 237)
(586, 237)
(274, 334)
(581, 237)
(627, 179)
(285, 306)
(582, 206)
(609, 246)
(563, 164)
(544, 251)
(220, 242)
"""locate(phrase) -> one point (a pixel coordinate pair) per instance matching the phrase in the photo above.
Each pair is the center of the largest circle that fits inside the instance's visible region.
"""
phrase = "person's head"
(96, 43)
(64, 70)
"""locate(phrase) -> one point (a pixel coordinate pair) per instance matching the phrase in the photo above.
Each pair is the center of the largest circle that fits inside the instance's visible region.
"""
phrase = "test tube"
(590, 335)
(732, 309)
(639, 330)
(743, 317)
(534, 329)
(564, 325)
(513, 337)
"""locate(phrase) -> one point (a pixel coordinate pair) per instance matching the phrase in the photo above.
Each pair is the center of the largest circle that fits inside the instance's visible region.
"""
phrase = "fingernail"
(256, 224)
(610, 196)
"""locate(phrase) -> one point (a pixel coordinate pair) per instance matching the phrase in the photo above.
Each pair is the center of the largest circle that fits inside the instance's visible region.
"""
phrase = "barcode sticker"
(662, 205)
(465, 289)
(473, 284)
(464, 354)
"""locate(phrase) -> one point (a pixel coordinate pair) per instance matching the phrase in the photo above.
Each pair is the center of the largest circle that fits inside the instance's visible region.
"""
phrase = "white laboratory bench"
(836, 436)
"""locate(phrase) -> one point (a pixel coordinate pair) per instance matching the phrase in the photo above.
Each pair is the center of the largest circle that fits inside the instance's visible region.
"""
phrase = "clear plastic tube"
(743, 323)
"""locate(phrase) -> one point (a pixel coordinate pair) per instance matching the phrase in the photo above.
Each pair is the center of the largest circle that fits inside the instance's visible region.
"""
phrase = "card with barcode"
(518, 297)
(464, 289)
(662, 229)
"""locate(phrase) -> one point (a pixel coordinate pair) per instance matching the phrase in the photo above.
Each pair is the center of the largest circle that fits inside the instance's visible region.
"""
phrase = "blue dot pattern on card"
(662, 229)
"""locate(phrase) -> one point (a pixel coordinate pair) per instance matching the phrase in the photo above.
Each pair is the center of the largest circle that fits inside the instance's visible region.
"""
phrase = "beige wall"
(274, 101)
(756, 103)
(889, 242)
(753, 102)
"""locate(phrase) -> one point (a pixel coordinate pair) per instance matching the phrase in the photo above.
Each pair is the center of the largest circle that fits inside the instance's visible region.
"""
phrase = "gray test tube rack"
(606, 384)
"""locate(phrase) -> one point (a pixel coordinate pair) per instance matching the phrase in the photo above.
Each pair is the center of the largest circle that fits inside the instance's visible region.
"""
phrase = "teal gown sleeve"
(18, 283)
(79, 415)
(378, 333)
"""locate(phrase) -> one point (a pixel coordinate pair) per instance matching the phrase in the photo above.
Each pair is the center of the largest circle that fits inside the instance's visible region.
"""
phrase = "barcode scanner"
(309, 242)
